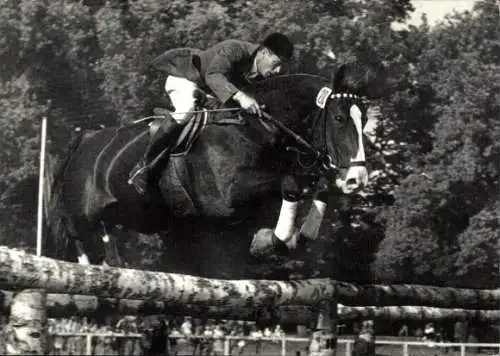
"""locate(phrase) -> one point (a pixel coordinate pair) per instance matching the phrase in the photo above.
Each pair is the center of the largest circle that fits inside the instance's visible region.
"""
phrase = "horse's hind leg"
(82, 257)
(96, 245)
(112, 256)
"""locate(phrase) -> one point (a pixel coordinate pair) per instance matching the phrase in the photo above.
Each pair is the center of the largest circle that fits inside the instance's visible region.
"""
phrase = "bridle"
(322, 160)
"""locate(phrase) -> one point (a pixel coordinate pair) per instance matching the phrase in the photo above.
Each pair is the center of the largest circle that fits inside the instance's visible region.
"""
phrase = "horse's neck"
(291, 98)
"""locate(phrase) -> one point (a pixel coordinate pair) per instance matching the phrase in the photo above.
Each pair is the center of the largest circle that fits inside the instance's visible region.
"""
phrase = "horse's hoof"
(304, 243)
(266, 244)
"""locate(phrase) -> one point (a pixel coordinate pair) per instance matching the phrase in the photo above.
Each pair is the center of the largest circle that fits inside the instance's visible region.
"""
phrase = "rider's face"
(268, 63)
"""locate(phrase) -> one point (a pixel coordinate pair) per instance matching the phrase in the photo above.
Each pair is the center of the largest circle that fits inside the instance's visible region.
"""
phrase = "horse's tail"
(59, 226)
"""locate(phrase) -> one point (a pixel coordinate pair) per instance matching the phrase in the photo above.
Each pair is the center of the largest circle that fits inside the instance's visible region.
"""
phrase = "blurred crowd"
(207, 338)
(160, 335)
(63, 343)
(157, 335)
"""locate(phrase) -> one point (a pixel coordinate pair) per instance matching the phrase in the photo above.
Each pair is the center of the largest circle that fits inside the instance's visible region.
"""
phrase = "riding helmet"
(279, 44)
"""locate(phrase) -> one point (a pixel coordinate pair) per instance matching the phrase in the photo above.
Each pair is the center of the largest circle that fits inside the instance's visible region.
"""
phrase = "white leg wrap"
(312, 223)
(286, 222)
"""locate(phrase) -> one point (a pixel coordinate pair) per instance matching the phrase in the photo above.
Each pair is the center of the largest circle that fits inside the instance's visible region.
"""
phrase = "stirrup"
(139, 179)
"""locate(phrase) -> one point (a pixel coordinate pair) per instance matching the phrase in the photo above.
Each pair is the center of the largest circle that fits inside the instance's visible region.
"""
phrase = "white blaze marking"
(356, 114)
(286, 222)
(310, 228)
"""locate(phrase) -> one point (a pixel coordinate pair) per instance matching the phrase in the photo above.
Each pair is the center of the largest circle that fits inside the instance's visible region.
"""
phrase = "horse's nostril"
(351, 181)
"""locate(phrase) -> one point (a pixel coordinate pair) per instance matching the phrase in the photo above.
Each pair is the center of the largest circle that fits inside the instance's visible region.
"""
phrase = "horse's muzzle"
(352, 179)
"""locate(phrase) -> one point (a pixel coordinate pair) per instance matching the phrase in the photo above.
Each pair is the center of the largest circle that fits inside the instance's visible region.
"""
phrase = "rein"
(324, 159)
(321, 157)
(315, 152)
(311, 150)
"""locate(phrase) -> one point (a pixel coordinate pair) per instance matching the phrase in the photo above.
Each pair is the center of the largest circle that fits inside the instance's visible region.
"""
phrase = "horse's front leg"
(278, 241)
(312, 223)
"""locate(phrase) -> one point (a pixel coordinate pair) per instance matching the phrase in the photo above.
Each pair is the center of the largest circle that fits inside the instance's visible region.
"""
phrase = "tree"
(20, 116)
(440, 213)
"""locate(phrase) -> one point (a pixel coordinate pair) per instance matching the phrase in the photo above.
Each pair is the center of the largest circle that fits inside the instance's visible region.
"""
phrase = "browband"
(325, 93)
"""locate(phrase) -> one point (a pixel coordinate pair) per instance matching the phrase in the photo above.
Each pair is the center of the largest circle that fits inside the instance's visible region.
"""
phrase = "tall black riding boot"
(160, 143)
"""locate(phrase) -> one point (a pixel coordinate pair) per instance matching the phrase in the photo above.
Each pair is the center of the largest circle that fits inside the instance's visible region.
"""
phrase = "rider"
(221, 70)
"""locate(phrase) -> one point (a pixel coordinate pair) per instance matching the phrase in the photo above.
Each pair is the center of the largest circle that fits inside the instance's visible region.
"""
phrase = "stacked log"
(64, 305)
(129, 291)
(24, 270)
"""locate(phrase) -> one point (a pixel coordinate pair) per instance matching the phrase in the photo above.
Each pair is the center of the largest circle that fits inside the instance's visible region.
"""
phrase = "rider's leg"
(163, 139)
(182, 94)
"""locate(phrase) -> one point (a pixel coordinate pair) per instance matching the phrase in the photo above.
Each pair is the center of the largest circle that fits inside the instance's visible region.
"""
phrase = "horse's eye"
(339, 118)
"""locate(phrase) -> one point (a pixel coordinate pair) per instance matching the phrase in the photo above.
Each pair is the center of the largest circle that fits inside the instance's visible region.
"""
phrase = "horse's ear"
(338, 78)
(354, 77)
(367, 79)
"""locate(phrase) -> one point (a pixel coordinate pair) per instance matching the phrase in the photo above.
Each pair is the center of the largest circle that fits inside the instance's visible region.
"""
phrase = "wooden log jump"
(27, 331)
(22, 270)
(64, 305)
(127, 287)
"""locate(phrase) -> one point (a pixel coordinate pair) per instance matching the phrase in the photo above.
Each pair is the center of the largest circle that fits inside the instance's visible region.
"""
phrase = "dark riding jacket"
(220, 70)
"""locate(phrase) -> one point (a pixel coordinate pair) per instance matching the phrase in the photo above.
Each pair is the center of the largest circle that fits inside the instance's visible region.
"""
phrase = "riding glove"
(248, 103)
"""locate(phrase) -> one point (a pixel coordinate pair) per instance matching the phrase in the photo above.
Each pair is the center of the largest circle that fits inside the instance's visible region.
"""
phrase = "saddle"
(194, 127)
(188, 135)
(180, 179)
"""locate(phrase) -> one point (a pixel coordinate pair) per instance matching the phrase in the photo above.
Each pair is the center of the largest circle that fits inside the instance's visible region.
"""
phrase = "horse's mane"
(288, 97)
(291, 97)
(297, 82)
(353, 77)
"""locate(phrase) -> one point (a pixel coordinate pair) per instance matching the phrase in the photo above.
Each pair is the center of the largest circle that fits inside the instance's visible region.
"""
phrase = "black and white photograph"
(250, 177)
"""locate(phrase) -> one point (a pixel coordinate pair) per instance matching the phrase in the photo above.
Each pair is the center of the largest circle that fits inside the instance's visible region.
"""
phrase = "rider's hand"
(248, 103)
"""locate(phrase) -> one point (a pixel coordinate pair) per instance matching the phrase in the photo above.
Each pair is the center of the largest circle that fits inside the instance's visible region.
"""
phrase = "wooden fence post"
(405, 349)
(462, 350)
(324, 339)
(283, 345)
(27, 330)
(348, 348)
(88, 344)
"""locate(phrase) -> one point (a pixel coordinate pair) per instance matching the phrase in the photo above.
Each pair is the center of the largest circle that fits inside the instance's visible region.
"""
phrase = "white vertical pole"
(88, 344)
(348, 348)
(405, 349)
(283, 345)
(226, 346)
(462, 349)
(40, 187)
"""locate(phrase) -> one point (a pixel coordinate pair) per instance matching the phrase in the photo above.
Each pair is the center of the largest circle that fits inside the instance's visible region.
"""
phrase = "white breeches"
(181, 92)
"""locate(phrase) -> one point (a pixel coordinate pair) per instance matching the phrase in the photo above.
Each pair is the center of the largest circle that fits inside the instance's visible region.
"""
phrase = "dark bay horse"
(236, 163)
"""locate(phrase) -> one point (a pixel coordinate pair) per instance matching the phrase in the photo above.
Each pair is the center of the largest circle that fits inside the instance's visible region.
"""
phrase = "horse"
(309, 144)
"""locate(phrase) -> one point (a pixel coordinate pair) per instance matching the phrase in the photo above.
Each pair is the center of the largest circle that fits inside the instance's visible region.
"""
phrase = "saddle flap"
(190, 133)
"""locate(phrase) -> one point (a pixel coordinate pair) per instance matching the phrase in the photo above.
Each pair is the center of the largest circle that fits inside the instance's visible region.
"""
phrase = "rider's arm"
(220, 67)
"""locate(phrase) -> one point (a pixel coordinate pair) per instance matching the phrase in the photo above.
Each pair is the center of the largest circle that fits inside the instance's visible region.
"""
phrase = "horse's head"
(337, 129)
(334, 114)
(338, 133)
